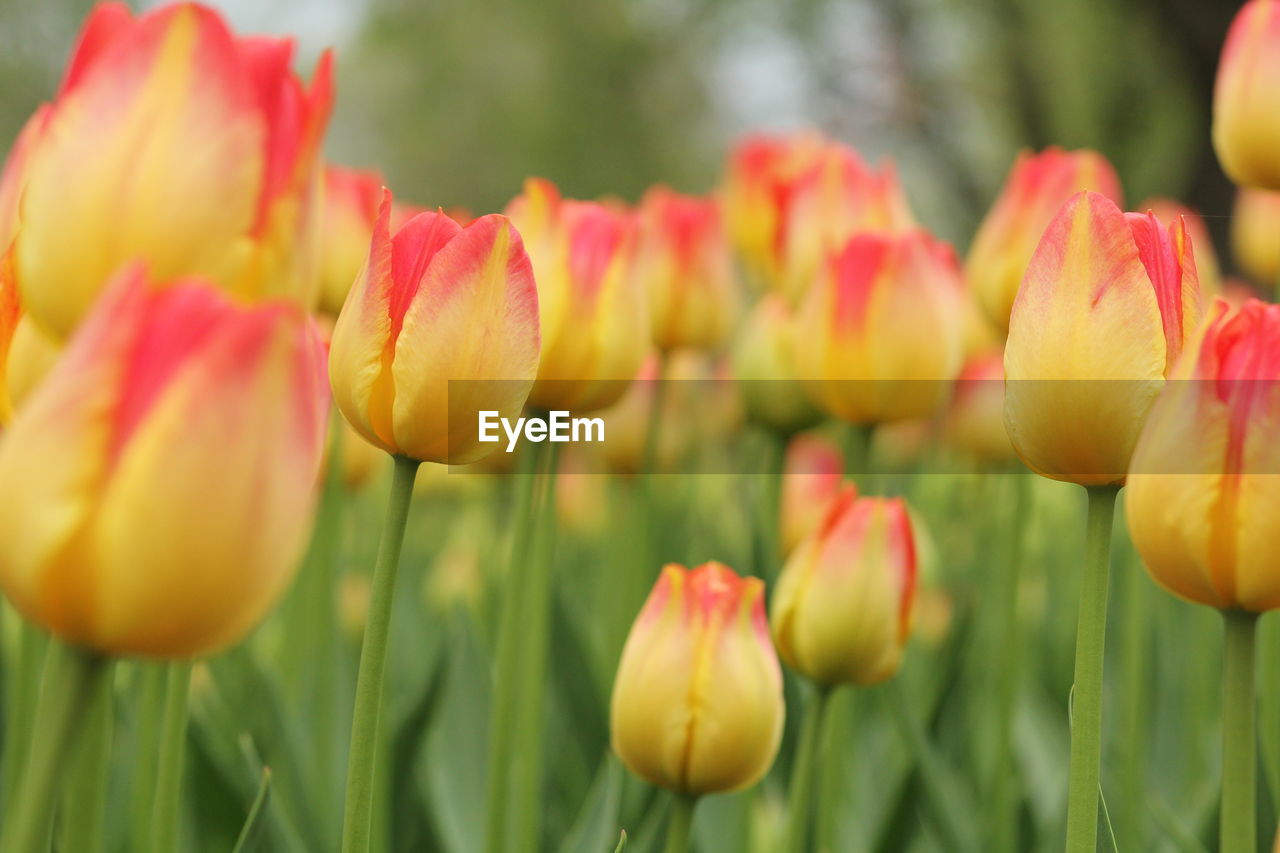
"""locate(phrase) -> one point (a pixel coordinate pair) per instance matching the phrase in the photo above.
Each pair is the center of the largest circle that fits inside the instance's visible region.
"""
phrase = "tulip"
(697, 702)
(879, 336)
(436, 302)
(1246, 97)
(123, 533)
(975, 420)
(683, 260)
(842, 608)
(173, 142)
(1208, 270)
(812, 476)
(1037, 186)
(764, 363)
(351, 201)
(1255, 226)
(1101, 316)
(593, 311)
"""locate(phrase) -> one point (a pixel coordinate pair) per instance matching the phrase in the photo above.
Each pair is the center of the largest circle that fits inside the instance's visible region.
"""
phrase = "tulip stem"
(167, 810)
(22, 688)
(513, 591)
(1238, 823)
(72, 676)
(653, 433)
(1086, 695)
(680, 824)
(86, 793)
(803, 771)
(357, 823)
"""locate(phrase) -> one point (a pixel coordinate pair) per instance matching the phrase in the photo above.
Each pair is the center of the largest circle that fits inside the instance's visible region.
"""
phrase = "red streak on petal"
(106, 24)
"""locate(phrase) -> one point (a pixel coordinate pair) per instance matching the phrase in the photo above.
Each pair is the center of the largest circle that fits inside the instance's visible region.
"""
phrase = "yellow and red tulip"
(879, 336)
(842, 608)
(1204, 499)
(975, 420)
(436, 302)
(813, 473)
(123, 532)
(351, 200)
(684, 262)
(594, 313)
(697, 702)
(764, 365)
(1107, 302)
(1246, 97)
(1255, 224)
(114, 171)
(1037, 186)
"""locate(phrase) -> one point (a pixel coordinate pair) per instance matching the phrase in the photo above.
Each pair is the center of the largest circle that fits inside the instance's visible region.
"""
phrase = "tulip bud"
(1246, 97)
(1101, 316)
(975, 420)
(1208, 270)
(879, 336)
(1255, 234)
(697, 701)
(842, 607)
(684, 262)
(1203, 500)
(351, 199)
(594, 313)
(436, 302)
(160, 481)
(172, 142)
(764, 363)
(1037, 186)
(813, 471)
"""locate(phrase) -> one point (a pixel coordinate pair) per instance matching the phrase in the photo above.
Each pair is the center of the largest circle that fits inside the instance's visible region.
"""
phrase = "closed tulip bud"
(436, 302)
(879, 336)
(1100, 319)
(1204, 499)
(697, 702)
(1255, 224)
(1208, 270)
(813, 472)
(764, 363)
(842, 607)
(172, 142)
(594, 314)
(684, 262)
(351, 200)
(975, 420)
(1246, 97)
(160, 480)
(1036, 188)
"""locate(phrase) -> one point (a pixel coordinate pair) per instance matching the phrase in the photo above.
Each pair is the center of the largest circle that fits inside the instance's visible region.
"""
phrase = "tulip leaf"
(597, 821)
(251, 836)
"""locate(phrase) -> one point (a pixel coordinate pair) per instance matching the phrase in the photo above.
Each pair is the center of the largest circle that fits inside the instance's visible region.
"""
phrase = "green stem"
(800, 795)
(653, 433)
(1271, 710)
(838, 727)
(148, 708)
(1134, 712)
(167, 812)
(771, 556)
(1006, 647)
(514, 586)
(526, 784)
(86, 795)
(1239, 819)
(1086, 696)
(22, 690)
(72, 676)
(357, 823)
(680, 824)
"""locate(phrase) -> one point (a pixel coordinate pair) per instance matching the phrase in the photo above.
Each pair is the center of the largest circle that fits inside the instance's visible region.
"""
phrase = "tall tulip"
(1203, 507)
(113, 170)
(1037, 186)
(436, 303)
(351, 201)
(594, 314)
(1246, 97)
(124, 535)
(878, 338)
(683, 261)
(697, 701)
(1101, 316)
(1255, 224)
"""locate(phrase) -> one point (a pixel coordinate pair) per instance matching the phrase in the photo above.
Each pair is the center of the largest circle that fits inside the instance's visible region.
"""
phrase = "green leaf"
(597, 822)
(252, 834)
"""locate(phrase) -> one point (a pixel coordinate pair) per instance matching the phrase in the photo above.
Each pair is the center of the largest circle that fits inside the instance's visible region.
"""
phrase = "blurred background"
(458, 100)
